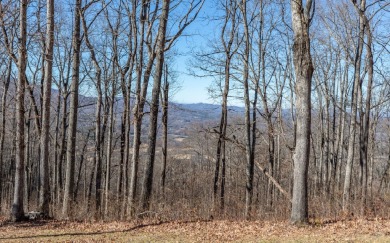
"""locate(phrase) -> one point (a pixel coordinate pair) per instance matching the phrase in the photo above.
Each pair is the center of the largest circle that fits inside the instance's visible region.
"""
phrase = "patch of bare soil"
(362, 230)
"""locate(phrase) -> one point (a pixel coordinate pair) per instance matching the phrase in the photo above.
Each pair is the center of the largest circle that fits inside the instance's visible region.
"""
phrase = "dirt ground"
(362, 230)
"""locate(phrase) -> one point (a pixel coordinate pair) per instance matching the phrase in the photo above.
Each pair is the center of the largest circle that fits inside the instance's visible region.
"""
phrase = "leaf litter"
(358, 230)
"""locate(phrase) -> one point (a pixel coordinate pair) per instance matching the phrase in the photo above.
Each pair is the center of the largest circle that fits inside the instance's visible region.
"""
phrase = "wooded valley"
(89, 128)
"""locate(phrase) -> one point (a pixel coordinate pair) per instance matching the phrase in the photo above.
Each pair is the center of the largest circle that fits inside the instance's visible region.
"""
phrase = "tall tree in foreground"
(303, 66)
(44, 193)
(148, 177)
(74, 92)
(365, 114)
(17, 211)
(354, 110)
(141, 87)
(248, 143)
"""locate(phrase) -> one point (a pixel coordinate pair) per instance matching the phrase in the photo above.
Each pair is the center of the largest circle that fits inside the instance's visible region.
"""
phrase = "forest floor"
(374, 230)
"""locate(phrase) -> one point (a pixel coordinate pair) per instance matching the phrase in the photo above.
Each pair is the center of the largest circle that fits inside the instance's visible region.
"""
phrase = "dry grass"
(375, 230)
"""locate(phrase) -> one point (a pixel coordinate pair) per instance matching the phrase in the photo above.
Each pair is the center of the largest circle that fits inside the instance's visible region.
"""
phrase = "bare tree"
(97, 153)
(354, 105)
(61, 78)
(160, 50)
(301, 18)
(17, 212)
(162, 45)
(6, 85)
(228, 31)
(164, 119)
(71, 143)
(141, 87)
(248, 146)
(365, 115)
(44, 193)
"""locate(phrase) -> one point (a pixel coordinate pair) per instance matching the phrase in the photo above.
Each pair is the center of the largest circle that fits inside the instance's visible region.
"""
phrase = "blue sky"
(197, 35)
(192, 89)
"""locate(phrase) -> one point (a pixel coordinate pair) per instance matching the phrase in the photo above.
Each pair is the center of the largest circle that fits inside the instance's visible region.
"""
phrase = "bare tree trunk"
(126, 89)
(17, 211)
(125, 137)
(126, 153)
(164, 118)
(149, 166)
(55, 183)
(223, 169)
(327, 161)
(44, 193)
(61, 155)
(352, 128)
(71, 144)
(109, 147)
(139, 102)
(97, 159)
(97, 155)
(230, 16)
(254, 128)
(3, 123)
(64, 78)
(263, 90)
(365, 134)
(248, 146)
(303, 74)
(30, 89)
(373, 128)
(342, 122)
(79, 170)
(28, 165)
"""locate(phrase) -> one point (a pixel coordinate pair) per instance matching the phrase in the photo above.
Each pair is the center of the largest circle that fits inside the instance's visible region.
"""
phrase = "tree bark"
(79, 170)
(230, 13)
(365, 121)
(303, 68)
(152, 134)
(353, 125)
(248, 142)
(97, 159)
(3, 124)
(109, 146)
(71, 144)
(44, 193)
(139, 102)
(164, 118)
(17, 211)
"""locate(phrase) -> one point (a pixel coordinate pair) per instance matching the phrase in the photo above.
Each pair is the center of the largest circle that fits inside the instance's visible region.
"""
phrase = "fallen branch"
(286, 194)
(242, 147)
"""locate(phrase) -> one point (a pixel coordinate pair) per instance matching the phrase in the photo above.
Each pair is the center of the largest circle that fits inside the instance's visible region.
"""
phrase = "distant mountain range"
(182, 117)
